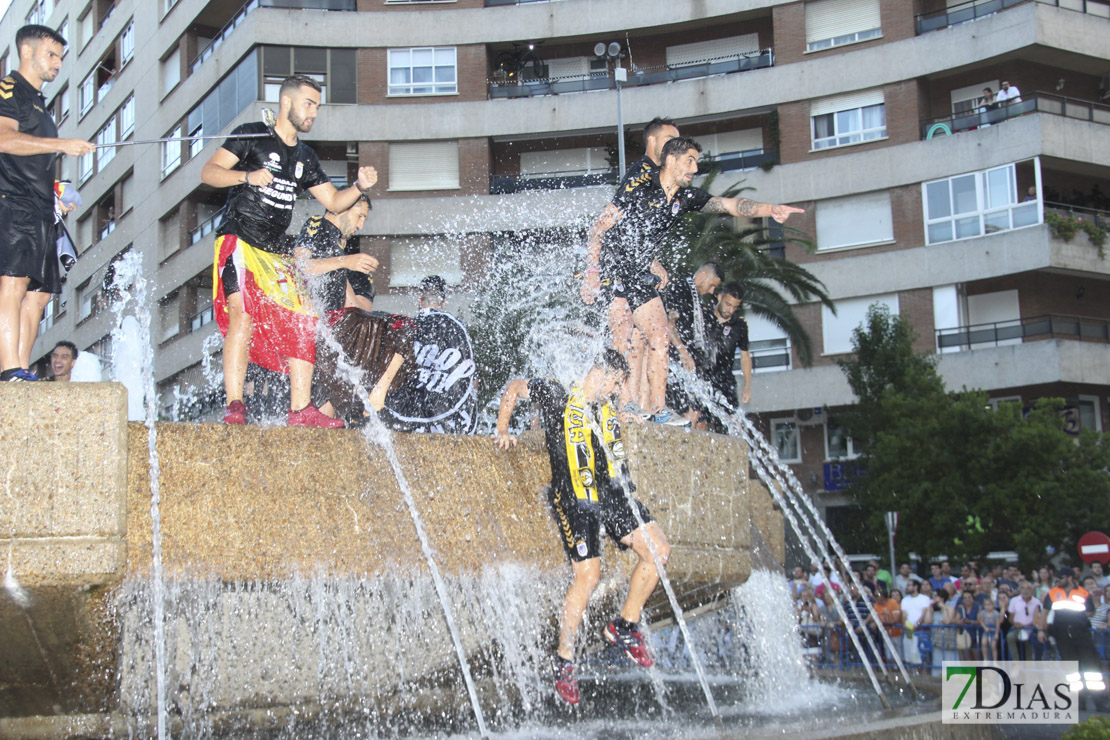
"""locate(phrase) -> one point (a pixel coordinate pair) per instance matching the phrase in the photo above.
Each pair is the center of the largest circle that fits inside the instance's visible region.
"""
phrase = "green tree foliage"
(966, 479)
(772, 285)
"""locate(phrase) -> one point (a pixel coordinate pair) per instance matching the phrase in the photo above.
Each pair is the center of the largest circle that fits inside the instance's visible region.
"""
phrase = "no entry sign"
(1094, 546)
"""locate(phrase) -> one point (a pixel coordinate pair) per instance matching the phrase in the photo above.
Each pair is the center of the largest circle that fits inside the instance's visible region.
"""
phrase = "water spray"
(376, 432)
(661, 569)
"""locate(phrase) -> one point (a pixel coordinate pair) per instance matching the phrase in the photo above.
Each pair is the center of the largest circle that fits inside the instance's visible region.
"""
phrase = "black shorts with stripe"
(28, 246)
(580, 526)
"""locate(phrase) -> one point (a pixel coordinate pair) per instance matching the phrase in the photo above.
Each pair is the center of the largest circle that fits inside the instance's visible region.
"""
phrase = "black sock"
(624, 624)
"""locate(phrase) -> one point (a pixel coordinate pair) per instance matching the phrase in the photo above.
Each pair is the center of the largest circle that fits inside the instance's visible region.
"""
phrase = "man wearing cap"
(29, 146)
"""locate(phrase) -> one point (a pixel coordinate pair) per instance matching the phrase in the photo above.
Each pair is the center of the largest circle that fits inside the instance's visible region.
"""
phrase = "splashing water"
(135, 353)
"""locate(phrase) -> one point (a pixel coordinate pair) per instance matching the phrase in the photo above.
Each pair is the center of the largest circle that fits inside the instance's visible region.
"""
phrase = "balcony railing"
(1027, 328)
(976, 9)
(495, 3)
(251, 5)
(203, 229)
(201, 318)
(644, 76)
(500, 184)
(1038, 102)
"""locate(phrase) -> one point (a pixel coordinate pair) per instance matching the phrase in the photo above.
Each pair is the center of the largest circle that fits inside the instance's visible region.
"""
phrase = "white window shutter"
(714, 49)
(860, 99)
(424, 165)
(828, 19)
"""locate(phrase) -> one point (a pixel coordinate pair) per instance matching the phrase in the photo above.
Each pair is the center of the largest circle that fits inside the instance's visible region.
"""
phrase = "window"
(40, 11)
(86, 28)
(127, 44)
(196, 128)
(731, 144)
(334, 69)
(85, 166)
(422, 71)
(714, 50)
(171, 71)
(237, 90)
(171, 152)
(975, 204)
(837, 329)
(787, 440)
(171, 316)
(838, 445)
(105, 136)
(837, 22)
(167, 6)
(414, 258)
(848, 119)
(854, 221)
(1089, 416)
(63, 31)
(768, 345)
(424, 165)
(89, 300)
(127, 118)
(60, 106)
(87, 93)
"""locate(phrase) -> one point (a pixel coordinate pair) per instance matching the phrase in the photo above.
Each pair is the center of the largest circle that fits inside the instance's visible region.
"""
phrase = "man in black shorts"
(29, 144)
(263, 320)
(623, 256)
(586, 493)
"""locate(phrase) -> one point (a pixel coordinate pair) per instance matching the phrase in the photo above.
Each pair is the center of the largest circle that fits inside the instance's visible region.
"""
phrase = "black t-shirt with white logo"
(260, 215)
(722, 341)
(27, 180)
(628, 248)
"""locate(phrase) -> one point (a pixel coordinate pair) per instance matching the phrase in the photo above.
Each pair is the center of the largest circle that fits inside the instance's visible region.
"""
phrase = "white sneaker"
(670, 417)
(636, 410)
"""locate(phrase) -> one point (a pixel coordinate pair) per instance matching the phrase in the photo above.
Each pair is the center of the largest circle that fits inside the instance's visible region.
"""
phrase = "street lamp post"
(620, 74)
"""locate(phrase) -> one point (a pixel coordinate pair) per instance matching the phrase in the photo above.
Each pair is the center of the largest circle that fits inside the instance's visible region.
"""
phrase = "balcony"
(976, 9)
(500, 184)
(637, 78)
(215, 42)
(1038, 102)
(1025, 329)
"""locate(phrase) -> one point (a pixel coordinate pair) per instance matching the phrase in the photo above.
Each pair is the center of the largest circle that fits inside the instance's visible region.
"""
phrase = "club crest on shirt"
(674, 208)
(299, 170)
(274, 162)
(728, 330)
(583, 551)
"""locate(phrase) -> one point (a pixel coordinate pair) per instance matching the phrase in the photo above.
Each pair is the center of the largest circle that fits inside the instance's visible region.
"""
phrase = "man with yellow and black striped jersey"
(588, 490)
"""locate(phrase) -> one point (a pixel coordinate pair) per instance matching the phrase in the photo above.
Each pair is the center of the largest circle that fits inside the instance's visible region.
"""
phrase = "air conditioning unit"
(809, 417)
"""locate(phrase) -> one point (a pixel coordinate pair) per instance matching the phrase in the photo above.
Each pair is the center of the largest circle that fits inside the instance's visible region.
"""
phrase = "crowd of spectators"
(993, 612)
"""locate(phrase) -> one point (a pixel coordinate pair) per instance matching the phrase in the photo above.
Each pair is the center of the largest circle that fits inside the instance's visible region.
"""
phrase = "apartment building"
(865, 112)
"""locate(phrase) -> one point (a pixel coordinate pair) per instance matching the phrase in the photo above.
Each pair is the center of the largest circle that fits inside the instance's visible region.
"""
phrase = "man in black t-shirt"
(29, 145)
(262, 318)
(687, 332)
(585, 493)
(657, 133)
(726, 332)
(623, 256)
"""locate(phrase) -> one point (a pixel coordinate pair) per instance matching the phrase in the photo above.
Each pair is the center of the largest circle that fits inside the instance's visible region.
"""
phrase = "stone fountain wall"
(317, 509)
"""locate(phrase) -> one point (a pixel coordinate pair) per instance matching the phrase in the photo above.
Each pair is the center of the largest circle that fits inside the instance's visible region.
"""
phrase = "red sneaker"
(631, 641)
(566, 685)
(310, 416)
(236, 413)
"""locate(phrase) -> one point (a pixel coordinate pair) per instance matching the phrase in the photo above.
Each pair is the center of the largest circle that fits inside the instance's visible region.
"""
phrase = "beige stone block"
(62, 459)
(77, 561)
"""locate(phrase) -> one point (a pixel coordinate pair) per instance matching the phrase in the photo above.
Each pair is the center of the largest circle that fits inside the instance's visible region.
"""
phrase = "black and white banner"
(440, 396)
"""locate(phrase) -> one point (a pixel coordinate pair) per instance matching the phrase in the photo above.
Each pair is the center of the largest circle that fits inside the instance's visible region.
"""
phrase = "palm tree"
(772, 285)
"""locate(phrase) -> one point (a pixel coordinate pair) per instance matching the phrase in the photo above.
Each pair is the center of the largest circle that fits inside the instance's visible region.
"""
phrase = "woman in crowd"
(967, 616)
